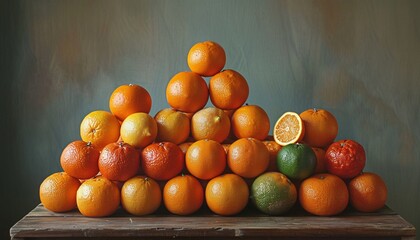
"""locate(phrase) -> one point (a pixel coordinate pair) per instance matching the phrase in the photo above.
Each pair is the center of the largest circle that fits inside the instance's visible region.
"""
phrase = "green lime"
(273, 193)
(297, 161)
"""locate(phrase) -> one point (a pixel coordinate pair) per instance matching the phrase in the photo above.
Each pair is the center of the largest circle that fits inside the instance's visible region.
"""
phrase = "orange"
(100, 128)
(210, 123)
(248, 157)
(141, 195)
(323, 195)
(250, 121)
(205, 159)
(368, 192)
(98, 197)
(183, 195)
(119, 161)
(162, 161)
(129, 99)
(184, 146)
(173, 126)
(321, 127)
(320, 160)
(58, 192)
(227, 194)
(228, 90)
(187, 92)
(206, 58)
(288, 129)
(139, 130)
(273, 149)
(80, 160)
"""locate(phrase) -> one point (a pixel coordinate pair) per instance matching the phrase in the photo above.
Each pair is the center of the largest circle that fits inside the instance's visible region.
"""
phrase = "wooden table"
(385, 224)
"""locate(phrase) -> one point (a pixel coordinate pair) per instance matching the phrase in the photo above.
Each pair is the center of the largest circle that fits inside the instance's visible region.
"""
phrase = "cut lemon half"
(288, 129)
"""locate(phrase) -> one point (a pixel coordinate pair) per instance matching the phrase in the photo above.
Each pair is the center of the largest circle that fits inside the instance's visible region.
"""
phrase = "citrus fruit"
(296, 160)
(58, 192)
(323, 195)
(288, 129)
(345, 158)
(273, 149)
(184, 146)
(226, 147)
(320, 160)
(183, 195)
(227, 194)
(162, 161)
(80, 160)
(248, 157)
(119, 161)
(187, 92)
(368, 192)
(321, 127)
(210, 123)
(100, 128)
(141, 195)
(273, 193)
(250, 121)
(206, 58)
(205, 159)
(98, 197)
(129, 99)
(139, 130)
(173, 126)
(228, 90)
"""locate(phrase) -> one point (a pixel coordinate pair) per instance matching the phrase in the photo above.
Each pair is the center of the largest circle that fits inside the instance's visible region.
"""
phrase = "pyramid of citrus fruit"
(187, 155)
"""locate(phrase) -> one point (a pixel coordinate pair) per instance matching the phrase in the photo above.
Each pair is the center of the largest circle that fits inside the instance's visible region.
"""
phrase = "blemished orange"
(206, 58)
(129, 99)
(100, 128)
(80, 160)
(210, 123)
(139, 130)
(187, 92)
(173, 126)
(368, 192)
(248, 157)
(119, 161)
(288, 129)
(98, 197)
(250, 121)
(162, 161)
(321, 166)
(227, 194)
(58, 192)
(273, 149)
(141, 195)
(228, 90)
(321, 127)
(323, 195)
(205, 159)
(183, 195)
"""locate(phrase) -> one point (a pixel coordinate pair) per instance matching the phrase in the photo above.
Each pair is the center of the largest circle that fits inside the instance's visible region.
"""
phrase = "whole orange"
(58, 192)
(100, 128)
(250, 121)
(228, 90)
(162, 161)
(323, 195)
(321, 127)
(98, 197)
(183, 195)
(210, 123)
(173, 126)
(141, 195)
(119, 161)
(227, 194)
(206, 58)
(187, 92)
(129, 99)
(368, 192)
(139, 130)
(248, 157)
(80, 160)
(205, 159)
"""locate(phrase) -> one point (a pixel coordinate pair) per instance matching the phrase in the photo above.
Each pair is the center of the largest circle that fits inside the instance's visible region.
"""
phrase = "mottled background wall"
(358, 59)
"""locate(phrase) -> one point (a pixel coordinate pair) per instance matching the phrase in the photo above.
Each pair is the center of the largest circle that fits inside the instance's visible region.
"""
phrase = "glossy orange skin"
(368, 192)
(206, 58)
(250, 121)
(128, 99)
(345, 158)
(80, 160)
(321, 127)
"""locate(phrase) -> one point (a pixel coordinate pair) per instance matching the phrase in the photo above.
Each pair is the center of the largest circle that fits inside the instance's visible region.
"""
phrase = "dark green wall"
(358, 59)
